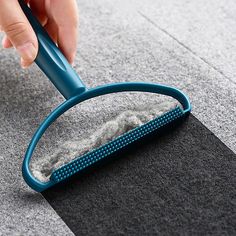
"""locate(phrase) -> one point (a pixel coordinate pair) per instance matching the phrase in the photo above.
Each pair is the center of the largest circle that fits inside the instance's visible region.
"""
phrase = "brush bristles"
(113, 146)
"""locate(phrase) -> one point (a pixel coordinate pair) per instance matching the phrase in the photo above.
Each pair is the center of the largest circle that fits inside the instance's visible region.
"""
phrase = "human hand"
(59, 18)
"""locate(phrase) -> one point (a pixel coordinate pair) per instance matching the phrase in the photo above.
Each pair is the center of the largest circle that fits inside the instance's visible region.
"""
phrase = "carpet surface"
(180, 183)
(186, 44)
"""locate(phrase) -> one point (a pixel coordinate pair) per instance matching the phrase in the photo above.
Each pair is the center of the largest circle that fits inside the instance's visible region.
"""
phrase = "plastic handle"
(52, 62)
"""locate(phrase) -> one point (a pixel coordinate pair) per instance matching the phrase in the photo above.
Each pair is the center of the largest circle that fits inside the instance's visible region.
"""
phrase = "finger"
(52, 30)
(6, 43)
(18, 30)
(65, 15)
(38, 8)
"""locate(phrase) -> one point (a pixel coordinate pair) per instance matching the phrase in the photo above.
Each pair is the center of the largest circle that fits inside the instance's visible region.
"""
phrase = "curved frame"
(88, 94)
(53, 63)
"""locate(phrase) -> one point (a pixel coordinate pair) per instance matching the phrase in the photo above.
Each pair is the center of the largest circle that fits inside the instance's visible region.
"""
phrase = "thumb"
(18, 30)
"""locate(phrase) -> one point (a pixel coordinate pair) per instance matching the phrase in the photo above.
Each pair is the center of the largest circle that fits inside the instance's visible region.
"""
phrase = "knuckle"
(16, 29)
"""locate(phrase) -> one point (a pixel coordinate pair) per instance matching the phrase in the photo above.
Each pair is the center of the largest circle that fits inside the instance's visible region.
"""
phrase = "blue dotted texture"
(113, 146)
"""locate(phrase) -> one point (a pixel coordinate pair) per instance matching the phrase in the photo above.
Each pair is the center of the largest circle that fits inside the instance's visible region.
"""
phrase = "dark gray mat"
(180, 183)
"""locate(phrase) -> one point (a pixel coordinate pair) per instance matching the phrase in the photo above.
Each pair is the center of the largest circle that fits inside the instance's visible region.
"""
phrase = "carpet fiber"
(180, 183)
(189, 184)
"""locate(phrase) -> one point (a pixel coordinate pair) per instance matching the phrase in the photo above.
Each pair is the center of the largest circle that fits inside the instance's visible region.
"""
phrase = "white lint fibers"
(127, 120)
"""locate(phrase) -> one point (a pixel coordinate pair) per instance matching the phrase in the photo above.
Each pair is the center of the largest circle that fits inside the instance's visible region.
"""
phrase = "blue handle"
(52, 62)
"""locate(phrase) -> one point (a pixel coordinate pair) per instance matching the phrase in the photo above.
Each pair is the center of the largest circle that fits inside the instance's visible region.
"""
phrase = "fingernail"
(72, 59)
(23, 63)
(3, 42)
(27, 53)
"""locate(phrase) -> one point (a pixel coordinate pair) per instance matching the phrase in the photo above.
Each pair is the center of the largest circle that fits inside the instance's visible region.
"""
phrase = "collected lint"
(127, 120)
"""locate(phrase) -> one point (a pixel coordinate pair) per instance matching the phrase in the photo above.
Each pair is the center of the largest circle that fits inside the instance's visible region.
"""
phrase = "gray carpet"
(178, 44)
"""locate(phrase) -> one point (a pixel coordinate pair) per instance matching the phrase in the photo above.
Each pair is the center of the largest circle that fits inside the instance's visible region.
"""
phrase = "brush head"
(99, 154)
(102, 153)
